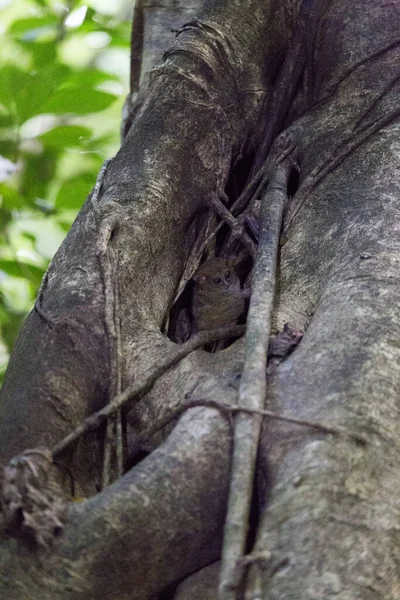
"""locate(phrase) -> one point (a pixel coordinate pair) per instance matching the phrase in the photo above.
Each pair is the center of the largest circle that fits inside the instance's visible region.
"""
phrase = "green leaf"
(34, 27)
(90, 22)
(5, 218)
(78, 100)
(29, 236)
(25, 93)
(17, 294)
(8, 148)
(23, 270)
(100, 141)
(43, 53)
(66, 135)
(6, 120)
(74, 192)
(11, 200)
(42, 85)
(121, 36)
(89, 78)
(46, 230)
(11, 328)
(38, 172)
(9, 76)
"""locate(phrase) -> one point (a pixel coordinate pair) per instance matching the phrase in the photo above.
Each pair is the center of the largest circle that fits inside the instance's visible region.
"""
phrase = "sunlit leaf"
(6, 120)
(66, 135)
(73, 192)
(76, 17)
(25, 93)
(11, 199)
(23, 270)
(37, 173)
(9, 76)
(43, 52)
(11, 328)
(17, 294)
(4, 354)
(89, 78)
(33, 27)
(46, 230)
(78, 100)
(8, 148)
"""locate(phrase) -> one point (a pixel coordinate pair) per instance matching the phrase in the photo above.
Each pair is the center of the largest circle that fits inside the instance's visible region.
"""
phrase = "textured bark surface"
(329, 511)
(332, 520)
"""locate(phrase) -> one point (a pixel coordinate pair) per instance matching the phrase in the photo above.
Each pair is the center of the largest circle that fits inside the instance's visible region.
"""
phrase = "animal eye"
(217, 280)
(227, 275)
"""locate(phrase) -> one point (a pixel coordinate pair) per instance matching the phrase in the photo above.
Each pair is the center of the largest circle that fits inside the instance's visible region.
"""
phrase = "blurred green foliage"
(63, 77)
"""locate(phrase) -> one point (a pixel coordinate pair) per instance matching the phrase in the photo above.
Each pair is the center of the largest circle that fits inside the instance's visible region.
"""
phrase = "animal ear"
(200, 278)
(235, 259)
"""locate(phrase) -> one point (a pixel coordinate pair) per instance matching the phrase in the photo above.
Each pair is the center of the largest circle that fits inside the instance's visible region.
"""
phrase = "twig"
(251, 191)
(253, 385)
(119, 424)
(144, 384)
(235, 224)
(108, 270)
(228, 410)
(105, 256)
(109, 443)
(236, 215)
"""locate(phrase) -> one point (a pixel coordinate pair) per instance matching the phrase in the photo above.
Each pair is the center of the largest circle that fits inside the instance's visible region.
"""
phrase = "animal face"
(217, 274)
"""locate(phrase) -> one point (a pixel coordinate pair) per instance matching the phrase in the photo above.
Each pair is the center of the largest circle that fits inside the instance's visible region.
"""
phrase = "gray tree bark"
(329, 517)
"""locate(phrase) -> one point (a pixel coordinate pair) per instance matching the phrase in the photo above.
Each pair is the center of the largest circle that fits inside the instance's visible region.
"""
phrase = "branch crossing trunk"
(253, 386)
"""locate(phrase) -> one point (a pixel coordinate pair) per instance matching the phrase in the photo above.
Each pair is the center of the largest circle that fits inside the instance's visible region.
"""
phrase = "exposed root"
(107, 257)
(236, 225)
(253, 385)
(31, 500)
(113, 435)
(228, 411)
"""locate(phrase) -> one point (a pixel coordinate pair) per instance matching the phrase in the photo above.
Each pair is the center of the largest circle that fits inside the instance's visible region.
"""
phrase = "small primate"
(218, 298)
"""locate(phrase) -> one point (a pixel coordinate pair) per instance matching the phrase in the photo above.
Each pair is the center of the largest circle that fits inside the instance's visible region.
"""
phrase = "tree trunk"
(327, 72)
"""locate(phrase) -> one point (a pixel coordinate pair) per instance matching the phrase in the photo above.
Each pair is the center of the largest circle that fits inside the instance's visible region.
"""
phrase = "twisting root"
(236, 225)
(253, 385)
(228, 411)
(108, 268)
(113, 436)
